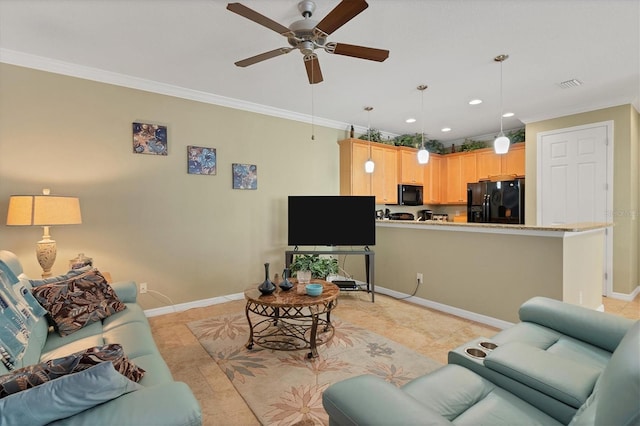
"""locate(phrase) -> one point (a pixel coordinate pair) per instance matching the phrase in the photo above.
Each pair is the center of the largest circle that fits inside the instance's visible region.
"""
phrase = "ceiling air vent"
(574, 82)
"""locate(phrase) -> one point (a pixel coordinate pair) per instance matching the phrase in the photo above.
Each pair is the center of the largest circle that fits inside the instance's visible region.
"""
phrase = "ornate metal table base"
(292, 319)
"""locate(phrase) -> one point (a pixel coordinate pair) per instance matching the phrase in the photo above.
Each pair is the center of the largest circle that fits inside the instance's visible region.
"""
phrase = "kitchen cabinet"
(460, 169)
(382, 183)
(409, 170)
(432, 180)
(491, 164)
(488, 163)
(353, 179)
(513, 162)
(384, 180)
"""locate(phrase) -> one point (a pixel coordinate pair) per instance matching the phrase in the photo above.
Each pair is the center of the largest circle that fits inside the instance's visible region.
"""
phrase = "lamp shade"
(43, 210)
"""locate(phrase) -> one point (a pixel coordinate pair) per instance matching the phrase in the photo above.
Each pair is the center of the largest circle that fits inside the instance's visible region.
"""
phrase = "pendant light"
(501, 143)
(423, 154)
(369, 165)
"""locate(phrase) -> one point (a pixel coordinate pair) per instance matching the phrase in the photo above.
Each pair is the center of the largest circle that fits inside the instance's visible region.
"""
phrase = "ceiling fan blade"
(341, 14)
(251, 14)
(357, 51)
(263, 57)
(313, 68)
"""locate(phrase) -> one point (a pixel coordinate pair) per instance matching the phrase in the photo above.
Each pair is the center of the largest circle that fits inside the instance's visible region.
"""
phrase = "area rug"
(285, 387)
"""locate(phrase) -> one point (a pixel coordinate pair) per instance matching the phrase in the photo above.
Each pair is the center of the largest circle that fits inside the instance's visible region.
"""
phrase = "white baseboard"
(624, 296)
(484, 319)
(190, 305)
(493, 322)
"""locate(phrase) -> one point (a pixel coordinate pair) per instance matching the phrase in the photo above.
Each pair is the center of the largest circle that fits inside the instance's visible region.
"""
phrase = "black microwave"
(409, 195)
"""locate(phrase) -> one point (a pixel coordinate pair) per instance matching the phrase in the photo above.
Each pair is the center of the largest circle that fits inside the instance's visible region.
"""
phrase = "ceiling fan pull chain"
(313, 127)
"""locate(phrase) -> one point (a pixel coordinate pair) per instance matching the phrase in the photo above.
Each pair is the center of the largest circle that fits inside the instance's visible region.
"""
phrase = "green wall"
(626, 184)
(190, 237)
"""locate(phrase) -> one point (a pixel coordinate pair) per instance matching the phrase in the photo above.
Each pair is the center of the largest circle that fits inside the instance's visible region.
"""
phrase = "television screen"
(326, 220)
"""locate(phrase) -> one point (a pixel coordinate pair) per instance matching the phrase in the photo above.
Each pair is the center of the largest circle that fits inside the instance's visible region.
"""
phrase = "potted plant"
(319, 267)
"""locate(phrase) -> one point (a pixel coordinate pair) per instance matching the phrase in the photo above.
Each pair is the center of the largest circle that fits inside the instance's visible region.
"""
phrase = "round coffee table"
(291, 318)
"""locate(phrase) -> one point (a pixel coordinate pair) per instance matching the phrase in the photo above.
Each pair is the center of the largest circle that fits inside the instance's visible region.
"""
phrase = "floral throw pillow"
(78, 301)
(37, 374)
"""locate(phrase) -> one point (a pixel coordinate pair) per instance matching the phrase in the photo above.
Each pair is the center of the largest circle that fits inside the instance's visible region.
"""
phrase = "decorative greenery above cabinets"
(373, 135)
(515, 136)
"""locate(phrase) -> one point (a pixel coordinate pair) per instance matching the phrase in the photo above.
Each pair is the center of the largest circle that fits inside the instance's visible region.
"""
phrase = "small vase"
(267, 286)
(286, 284)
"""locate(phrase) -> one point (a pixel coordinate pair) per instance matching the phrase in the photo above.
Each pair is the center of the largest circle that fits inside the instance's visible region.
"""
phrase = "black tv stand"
(368, 262)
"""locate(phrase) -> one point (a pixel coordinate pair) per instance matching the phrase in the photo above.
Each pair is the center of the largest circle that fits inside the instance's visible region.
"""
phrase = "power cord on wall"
(411, 295)
(173, 306)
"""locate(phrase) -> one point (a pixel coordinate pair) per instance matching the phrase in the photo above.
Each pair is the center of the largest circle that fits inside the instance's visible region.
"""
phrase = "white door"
(575, 176)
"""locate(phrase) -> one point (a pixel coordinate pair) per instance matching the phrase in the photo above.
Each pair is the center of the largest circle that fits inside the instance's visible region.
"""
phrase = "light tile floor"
(429, 332)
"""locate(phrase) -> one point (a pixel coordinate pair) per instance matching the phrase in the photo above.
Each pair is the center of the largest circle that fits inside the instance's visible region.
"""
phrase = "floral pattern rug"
(285, 387)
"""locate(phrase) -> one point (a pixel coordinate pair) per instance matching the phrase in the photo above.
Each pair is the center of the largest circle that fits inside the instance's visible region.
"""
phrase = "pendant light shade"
(501, 143)
(423, 154)
(369, 165)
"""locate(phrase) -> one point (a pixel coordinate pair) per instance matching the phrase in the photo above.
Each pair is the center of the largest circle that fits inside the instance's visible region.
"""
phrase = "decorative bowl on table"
(313, 289)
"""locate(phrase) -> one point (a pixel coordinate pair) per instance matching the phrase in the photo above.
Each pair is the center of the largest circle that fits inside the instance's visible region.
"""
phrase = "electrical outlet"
(419, 277)
(143, 288)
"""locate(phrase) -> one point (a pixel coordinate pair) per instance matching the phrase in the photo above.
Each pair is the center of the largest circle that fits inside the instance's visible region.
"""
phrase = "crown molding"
(13, 57)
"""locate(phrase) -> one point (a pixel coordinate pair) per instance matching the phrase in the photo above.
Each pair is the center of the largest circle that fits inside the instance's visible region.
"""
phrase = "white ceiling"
(447, 44)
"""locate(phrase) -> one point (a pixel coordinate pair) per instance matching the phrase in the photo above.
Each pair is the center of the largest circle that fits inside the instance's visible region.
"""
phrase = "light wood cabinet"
(460, 169)
(513, 162)
(488, 163)
(353, 179)
(444, 178)
(432, 180)
(382, 183)
(384, 180)
(409, 170)
(491, 164)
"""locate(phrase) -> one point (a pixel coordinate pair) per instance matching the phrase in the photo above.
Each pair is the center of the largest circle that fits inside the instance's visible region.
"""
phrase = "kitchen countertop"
(552, 230)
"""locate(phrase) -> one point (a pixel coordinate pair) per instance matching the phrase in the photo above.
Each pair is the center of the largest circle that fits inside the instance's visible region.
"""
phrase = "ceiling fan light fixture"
(307, 35)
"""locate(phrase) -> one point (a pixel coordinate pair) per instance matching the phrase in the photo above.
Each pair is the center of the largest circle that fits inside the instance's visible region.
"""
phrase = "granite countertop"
(571, 227)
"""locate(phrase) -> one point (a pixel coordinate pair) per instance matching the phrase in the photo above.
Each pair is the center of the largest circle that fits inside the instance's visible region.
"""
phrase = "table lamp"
(44, 210)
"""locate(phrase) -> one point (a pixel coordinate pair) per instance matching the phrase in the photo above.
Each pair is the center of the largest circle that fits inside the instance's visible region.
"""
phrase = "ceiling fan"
(307, 35)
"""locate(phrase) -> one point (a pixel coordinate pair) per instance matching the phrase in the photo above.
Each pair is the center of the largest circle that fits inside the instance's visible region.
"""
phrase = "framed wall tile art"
(149, 139)
(245, 176)
(201, 160)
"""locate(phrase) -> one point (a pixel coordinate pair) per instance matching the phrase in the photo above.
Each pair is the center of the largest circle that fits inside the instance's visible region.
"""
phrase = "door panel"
(573, 180)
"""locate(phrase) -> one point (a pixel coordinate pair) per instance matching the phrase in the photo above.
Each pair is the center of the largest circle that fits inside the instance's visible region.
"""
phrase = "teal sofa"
(562, 364)
(158, 400)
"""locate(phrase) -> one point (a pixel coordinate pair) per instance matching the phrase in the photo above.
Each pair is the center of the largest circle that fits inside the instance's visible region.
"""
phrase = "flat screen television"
(331, 220)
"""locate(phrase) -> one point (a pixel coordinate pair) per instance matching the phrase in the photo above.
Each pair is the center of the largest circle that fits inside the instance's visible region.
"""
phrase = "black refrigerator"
(496, 202)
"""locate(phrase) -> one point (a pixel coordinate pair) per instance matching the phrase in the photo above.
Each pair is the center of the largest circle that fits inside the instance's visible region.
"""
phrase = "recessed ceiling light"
(508, 114)
(475, 101)
(410, 120)
(445, 129)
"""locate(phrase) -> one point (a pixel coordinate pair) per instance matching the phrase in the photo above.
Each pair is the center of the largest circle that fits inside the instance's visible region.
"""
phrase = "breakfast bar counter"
(550, 230)
(491, 269)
